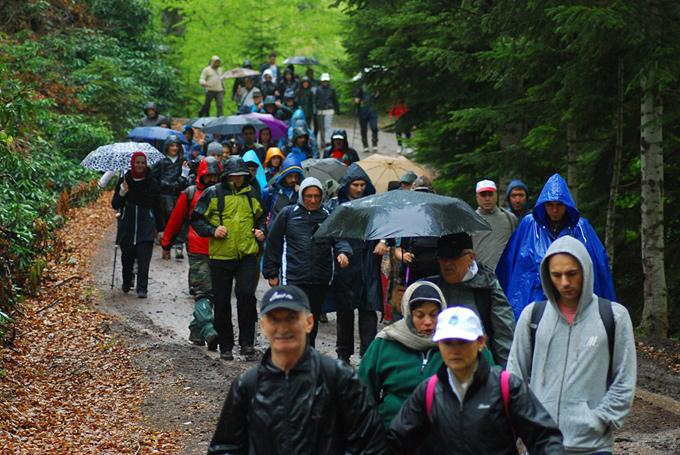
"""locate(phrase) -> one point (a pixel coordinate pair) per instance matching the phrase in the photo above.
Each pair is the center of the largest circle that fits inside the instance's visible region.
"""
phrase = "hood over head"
(271, 153)
(267, 72)
(186, 128)
(569, 245)
(341, 134)
(209, 165)
(172, 139)
(151, 105)
(214, 148)
(308, 182)
(514, 184)
(251, 157)
(214, 59)
(556, 189)
(354, 172)
(290, 164)
(299, 131)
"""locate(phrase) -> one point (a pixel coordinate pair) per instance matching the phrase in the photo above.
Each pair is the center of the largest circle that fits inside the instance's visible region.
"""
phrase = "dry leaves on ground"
(68, 385)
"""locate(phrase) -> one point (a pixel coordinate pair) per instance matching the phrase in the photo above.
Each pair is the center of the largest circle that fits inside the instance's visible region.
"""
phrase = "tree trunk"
(616, 172)
(655, 311)
(572, 181)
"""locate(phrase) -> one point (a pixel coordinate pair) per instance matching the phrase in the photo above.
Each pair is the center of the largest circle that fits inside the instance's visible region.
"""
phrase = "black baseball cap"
(451, 246)
(288, 297)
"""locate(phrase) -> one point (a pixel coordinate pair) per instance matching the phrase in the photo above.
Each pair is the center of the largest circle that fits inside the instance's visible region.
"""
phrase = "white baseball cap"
(325, 77)
(458, 323)
(485, 185)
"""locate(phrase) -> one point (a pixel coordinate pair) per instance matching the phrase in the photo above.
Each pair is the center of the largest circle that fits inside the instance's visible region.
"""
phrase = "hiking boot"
(249, 353)
(375, 149)
(344, 359)
(125, 288)
(226, 355)
(212, 342)
(198, 341)
(141, 294)
(367, 150)
(179, 254)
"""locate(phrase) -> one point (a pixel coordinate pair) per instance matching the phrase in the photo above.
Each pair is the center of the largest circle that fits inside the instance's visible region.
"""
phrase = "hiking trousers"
(200, 282)
(223, 273)
(142, 252)
(368, 329)
(219, 102)
(316, 293)
(368, 117)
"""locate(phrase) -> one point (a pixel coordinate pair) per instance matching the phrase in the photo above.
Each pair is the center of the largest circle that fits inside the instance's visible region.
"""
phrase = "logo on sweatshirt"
(592, 341)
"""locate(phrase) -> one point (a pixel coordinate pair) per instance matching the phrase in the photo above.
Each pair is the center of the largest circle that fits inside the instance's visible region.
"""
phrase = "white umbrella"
(117, 156)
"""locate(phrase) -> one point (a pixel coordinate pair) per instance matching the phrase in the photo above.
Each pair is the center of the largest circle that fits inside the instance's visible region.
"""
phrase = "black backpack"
(606, 314)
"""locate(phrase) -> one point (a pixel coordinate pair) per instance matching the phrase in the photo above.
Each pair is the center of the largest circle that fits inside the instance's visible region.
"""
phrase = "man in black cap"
(306, 402)
(464, 282)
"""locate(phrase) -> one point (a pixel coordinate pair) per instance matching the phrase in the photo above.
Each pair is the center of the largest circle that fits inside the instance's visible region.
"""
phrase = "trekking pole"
(113, 273)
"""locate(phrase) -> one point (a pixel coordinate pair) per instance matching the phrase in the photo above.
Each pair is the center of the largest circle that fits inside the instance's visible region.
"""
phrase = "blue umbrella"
(154, 133)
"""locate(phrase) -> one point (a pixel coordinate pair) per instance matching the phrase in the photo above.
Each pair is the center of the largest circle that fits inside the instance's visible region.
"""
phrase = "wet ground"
(188, 384)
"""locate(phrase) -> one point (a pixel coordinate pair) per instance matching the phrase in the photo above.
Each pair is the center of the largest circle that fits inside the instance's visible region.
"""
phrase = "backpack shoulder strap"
(536, 314)
(189, 192)
(607, 316)
(505, 391)
(429, 393)
(220, 201)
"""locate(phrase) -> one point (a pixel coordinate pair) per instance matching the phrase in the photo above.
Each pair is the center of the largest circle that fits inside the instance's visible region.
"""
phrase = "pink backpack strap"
(429, 393)
(505, 391)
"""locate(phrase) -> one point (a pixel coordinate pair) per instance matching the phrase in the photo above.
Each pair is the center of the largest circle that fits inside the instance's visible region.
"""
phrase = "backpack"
(606, 314)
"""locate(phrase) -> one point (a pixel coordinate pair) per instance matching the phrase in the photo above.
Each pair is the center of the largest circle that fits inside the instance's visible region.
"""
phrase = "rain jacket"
(311, 139)
(320, 406)
(259, 183)
(326, 98)
(292, 254)
(193, 146)
(153, 121)
(568, 368)
(359, 285)
(271, 153)
(347, 155)
(281, 196)
(140, 211)
(242, 213)
(518, 267)
(478, 425)
(511, 186)
(168, 174)
(182, 213)
(483, 295)
(305, 99)
(211, 78)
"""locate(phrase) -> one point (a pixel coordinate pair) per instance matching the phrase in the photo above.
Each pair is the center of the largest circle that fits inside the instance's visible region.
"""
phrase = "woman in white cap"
(469, 407)
(403, 354)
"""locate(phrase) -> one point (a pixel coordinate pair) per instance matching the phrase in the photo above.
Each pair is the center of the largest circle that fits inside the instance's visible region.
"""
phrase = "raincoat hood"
(267, 72)
(342, 133)
(186, 128)
(210, 165)
(251, 157)
(514, 184)
(556, 189)
(290, 164)
(306, 183)
(354, 172)
(151, 105)
(172, 139)
(573, 247)
(271, 153)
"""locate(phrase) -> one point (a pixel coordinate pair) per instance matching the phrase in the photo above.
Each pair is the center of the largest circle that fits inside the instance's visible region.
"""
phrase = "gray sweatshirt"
(570, 362)
(489, 245)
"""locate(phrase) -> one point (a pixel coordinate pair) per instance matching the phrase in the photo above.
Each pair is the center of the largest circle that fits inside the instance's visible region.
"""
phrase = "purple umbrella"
(278, 127)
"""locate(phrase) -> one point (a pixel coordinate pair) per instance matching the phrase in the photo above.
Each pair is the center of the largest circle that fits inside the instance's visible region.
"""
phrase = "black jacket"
(326, 98)
(140, 211)
(319, 407)
(168, 175)
(306, 261)
(480, 424)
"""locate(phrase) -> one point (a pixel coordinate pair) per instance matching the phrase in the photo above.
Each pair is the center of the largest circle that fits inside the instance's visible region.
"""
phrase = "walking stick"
(113, 273)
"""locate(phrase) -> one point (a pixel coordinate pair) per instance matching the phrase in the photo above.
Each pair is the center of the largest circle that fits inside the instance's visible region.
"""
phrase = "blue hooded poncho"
(518, 269)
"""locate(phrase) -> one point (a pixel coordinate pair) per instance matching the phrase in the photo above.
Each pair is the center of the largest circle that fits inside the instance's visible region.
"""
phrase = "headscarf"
(403, 330)
(134, 174)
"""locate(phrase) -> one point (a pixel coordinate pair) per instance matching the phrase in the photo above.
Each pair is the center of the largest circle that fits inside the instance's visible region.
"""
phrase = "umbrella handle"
(408, 275)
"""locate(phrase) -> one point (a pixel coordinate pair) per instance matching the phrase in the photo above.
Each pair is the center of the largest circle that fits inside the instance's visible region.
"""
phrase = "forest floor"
(93, 370)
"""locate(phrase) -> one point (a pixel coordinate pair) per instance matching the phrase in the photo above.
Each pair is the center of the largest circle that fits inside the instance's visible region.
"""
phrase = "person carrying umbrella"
(293, 257)
(211, 81)
(489, 407)
(171, 175)
(138, 200)
(231, 216)
(358, 287)
(340, 149)
(201, 328)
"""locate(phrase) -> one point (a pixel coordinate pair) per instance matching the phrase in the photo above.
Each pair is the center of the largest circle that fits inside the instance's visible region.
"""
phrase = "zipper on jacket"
(564, 370)
(425, 358)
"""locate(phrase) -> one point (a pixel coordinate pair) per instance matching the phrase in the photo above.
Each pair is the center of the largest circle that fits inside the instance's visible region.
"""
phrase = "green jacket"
(241, 214)
(392, 371)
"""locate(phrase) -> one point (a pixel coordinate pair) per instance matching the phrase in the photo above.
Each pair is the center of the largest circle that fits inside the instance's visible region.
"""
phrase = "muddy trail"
(187, 384)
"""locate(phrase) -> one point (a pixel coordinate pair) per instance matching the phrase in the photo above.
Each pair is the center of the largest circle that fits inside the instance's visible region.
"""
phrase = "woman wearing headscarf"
(403, 353)
(138, 200)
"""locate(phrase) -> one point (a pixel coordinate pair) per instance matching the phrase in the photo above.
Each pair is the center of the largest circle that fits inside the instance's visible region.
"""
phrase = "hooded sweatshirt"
(519, 265)
(211, 78)
(514, 184)
(568, 369)
(182, 214)
(156, 119)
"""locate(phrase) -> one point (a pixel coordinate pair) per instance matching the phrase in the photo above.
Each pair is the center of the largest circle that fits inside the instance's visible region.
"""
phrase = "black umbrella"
(401, 213)
(232, 124)
(301, 60)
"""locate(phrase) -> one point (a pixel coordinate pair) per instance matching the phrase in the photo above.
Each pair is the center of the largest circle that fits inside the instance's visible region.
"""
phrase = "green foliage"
(236, 30)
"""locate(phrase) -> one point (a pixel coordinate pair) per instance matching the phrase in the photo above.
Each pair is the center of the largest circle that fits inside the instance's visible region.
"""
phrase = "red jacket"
(180, 214)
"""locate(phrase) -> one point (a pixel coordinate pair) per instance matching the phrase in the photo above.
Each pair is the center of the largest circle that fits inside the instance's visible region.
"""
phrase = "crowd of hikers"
(493, 341)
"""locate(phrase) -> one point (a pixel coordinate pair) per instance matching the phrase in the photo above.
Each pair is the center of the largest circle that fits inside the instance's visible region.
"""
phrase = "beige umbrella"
(383, 169)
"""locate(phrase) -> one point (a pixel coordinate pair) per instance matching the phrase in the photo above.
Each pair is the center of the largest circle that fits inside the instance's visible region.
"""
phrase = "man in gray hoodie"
(569, 366)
